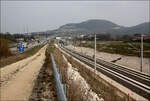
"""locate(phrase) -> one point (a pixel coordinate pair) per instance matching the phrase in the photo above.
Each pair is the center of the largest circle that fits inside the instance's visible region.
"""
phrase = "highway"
(30, 46)
(136, 81)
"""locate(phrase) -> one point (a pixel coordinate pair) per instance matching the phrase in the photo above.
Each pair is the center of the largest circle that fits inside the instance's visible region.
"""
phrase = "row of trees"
(107, 37)
(4, 49)
(112, 37)
(13, 37)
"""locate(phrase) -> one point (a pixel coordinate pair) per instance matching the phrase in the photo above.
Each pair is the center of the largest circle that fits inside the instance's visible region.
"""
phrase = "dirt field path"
(17, 79)
(128, 61)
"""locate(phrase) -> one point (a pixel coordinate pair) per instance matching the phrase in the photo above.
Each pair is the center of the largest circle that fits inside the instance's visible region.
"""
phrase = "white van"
(25, 44)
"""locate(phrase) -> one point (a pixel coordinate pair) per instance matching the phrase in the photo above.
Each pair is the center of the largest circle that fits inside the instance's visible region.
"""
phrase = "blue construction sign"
(21, 48)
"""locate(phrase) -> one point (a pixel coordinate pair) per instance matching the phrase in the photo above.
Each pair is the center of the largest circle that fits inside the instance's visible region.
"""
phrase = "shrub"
(4, 49)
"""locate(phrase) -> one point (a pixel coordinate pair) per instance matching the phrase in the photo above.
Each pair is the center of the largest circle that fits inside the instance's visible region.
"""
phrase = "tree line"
(14, 37)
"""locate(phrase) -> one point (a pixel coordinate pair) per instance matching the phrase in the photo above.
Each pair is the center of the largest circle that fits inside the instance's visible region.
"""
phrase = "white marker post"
(141, 52)
(95, 55)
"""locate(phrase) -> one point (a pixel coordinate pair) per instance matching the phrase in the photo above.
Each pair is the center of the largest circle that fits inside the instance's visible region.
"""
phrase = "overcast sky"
(18, 17)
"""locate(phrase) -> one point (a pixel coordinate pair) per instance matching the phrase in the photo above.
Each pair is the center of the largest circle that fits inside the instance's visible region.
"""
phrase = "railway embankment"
(77, 88)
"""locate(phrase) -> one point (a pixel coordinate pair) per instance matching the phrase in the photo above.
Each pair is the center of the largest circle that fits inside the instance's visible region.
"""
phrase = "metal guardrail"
(61, 88)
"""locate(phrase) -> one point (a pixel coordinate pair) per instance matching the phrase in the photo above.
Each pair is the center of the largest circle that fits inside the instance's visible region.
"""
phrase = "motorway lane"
(30, 46)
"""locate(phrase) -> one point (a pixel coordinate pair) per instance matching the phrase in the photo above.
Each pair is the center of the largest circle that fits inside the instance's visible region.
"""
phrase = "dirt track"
(17, 79)
(127, 61)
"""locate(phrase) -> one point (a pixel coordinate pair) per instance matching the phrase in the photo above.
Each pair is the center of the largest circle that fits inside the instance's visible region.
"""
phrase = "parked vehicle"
(25, 44)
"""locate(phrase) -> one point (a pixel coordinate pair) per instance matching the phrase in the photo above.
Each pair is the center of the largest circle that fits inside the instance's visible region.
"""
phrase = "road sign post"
(21, 48)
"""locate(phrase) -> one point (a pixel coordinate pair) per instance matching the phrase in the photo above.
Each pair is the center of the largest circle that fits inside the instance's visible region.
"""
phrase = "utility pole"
(27, 30)
(149, 67)
(95, 55)
(24, 29)
(141, 52)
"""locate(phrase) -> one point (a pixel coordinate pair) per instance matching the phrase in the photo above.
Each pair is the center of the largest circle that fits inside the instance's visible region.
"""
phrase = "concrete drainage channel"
(61, 88)
(44, 88)
(49, 87)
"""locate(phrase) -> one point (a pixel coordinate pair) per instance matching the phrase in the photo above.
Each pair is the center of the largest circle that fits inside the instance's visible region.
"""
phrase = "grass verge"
(4, 49)
(119, 47)
(17, 57)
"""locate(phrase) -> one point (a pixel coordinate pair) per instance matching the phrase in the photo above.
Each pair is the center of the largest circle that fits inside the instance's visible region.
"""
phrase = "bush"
(4, 50)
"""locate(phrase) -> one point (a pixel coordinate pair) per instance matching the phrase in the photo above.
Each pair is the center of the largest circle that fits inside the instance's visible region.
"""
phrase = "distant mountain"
(99, 26)
(104, 26)
(141, 28)
(91, 26)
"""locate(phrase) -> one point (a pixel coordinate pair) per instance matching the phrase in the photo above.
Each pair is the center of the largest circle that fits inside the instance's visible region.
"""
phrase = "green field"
(119, 47)
(10, 42)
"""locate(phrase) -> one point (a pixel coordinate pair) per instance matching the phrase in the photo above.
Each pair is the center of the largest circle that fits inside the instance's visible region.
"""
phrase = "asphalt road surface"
(30, 46)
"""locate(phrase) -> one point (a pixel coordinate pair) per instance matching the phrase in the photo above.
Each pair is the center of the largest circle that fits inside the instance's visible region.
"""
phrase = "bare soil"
(132, 62)
(44, 88)
(17, 79)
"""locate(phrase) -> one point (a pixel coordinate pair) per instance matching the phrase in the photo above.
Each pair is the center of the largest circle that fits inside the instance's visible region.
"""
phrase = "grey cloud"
(49, 15)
